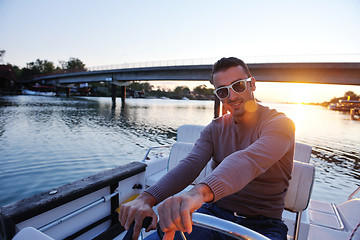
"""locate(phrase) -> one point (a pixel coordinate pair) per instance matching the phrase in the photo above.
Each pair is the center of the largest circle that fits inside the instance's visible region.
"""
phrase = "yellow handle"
(129, 200)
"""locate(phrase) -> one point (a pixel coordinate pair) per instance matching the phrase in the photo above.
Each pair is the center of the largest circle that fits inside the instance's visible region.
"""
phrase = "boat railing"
(77, 212)
(353, 194)
(152, 148)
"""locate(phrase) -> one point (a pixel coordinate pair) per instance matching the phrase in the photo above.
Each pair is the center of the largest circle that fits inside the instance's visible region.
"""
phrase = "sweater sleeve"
(276, 137)
(187, 169)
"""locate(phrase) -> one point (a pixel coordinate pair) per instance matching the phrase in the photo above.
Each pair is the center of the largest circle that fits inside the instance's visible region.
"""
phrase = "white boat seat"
(298, 194)
(30, 233)
(300, 186)
(189, 133)
(318, 232)
(302, 152)
(350, 213)
(178, 152)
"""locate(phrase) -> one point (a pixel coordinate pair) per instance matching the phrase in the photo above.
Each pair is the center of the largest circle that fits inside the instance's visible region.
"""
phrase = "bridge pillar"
(123, 95)
(68, 92)
(113, 94)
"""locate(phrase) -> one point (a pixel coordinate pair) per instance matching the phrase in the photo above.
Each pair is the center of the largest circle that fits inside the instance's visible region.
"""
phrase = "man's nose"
(232, 94)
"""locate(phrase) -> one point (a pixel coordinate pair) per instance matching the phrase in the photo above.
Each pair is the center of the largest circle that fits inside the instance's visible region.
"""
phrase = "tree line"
(349, 95)
(41, 67)
(200, 92)
(44, 67)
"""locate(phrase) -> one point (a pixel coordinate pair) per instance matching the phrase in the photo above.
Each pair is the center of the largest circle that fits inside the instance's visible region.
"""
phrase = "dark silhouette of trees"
(2, 53)
(141, 86)
(73, 64)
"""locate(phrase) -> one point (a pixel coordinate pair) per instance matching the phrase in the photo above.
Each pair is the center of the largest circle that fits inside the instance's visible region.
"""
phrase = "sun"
(299, 93)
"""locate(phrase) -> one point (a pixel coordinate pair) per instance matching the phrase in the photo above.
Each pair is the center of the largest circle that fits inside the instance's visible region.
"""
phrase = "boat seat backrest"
(189, 133)
(302, 152)
(178, 152)
(300, 186)
(31, 233)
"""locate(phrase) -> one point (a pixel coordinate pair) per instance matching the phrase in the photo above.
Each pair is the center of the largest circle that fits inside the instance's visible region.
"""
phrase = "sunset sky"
(115, 32)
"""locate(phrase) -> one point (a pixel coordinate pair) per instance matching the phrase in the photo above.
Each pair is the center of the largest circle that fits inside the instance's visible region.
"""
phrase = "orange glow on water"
(301, 92)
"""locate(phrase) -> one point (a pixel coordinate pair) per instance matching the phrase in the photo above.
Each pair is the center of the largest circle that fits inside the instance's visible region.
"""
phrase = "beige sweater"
(252, 164)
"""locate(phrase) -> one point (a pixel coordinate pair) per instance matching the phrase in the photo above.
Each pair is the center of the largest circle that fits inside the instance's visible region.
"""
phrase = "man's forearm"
(205, 191)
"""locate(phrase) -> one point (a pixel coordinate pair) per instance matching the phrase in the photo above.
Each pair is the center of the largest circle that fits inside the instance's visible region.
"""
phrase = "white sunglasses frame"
(230, 86)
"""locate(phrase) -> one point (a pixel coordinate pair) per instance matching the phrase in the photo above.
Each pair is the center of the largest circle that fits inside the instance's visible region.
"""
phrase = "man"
(252, 150)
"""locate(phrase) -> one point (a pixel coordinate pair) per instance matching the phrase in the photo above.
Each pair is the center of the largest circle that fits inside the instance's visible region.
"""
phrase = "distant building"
(344, 105)
(135, 93)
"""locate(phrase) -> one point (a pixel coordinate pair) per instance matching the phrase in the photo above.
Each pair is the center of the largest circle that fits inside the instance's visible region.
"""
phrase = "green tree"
(73, 64)
(41, 66)
(351, 95)
(182, 90)
(16, 70)
(37, 68)
(202, 89)
(147, 87)
(141, 86)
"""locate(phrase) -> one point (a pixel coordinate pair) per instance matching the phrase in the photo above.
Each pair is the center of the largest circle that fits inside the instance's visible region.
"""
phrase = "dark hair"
(225, 63)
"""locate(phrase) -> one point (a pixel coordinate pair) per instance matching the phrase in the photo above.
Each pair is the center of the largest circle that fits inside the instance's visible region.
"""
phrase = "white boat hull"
(36, 93)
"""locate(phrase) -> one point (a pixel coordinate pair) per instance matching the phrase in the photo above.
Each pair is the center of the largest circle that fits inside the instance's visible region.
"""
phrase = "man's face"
(235, 102)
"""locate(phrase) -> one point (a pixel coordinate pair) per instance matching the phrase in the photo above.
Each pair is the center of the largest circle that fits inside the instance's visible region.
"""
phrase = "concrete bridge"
(325, 73)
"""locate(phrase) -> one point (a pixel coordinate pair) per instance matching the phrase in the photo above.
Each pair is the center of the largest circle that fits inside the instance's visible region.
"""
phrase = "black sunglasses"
(238, 87)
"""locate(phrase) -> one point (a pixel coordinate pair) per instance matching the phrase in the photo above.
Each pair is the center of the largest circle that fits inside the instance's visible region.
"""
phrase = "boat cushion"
(178, 152)
(189, 133)
(300, 187)
(31, 233)
(350, 213)
(302, 152)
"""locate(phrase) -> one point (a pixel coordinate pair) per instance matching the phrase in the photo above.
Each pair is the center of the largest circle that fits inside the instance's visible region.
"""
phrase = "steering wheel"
(226, 227)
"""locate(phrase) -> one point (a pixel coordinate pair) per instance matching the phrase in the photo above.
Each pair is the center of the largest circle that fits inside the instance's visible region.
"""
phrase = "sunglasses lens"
(222, 92)
(239, 87)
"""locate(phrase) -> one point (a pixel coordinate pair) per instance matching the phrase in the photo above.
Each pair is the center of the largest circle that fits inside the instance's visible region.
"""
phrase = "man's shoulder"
(226, 117)
(274, 117)
(269, 113)
(222, 120)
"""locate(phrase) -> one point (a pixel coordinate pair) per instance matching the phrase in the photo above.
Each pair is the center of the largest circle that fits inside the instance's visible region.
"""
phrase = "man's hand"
(175, 212)
(137, 210)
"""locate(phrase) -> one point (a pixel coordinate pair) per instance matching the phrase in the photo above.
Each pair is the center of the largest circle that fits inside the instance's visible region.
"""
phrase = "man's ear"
(252, 84)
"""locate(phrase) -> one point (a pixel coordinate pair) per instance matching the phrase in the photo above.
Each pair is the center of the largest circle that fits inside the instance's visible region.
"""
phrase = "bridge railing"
(248, 59)
(162, 63)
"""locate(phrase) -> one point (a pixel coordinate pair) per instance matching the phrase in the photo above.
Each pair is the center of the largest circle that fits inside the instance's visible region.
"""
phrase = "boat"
(344, 105)
(36, 93)
(87, 208)
(355, 113)
(39, 90)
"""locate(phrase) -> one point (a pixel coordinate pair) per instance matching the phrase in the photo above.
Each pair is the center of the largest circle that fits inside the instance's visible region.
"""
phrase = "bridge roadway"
(326, 73)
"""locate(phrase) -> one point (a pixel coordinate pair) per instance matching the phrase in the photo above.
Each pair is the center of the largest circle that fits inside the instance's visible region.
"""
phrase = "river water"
(46, 142)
